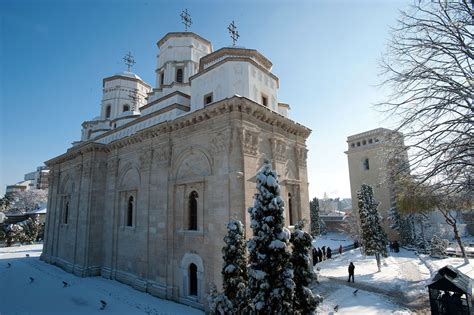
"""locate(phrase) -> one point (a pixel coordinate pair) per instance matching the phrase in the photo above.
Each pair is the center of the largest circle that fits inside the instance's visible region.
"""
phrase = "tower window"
(364, 142)
(179, 75)
(370, 141)
(264, 100)
(162, 78)
(130, 211)
(208, 99)
(126, 108)
(66, 212)
(193, 281)
(290, 209)
(353, 145)
(107, 111)
(193, 211)
(358, 144)
(366, 164)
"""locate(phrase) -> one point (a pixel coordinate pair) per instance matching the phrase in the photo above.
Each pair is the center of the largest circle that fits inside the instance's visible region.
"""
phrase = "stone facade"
(369, 155)
(149, 206)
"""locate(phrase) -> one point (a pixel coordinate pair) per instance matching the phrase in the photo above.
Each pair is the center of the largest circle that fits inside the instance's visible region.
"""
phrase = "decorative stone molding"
(301, 154)
(278, 149)
(87, 169)
(250, 141)
(145, 159)
(78, 170)
(220, 142)
(162, 155)
(112, 166)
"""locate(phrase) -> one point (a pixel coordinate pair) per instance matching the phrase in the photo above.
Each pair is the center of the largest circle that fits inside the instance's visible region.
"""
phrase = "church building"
(145, 195)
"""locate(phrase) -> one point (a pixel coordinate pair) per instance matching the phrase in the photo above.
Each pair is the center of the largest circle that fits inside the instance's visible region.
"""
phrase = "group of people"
(394, 246)
(321, 254)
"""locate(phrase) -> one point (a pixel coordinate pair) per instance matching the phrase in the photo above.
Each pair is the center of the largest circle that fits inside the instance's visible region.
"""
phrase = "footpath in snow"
(46, 294)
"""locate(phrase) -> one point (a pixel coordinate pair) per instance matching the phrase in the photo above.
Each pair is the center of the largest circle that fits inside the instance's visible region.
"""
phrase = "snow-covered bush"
(234, 270)
(271, 285)
(305, 302)
(373, 236)
(438, 247)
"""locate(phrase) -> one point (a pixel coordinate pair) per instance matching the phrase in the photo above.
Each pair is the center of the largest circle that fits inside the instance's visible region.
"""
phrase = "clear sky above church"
(54, 54)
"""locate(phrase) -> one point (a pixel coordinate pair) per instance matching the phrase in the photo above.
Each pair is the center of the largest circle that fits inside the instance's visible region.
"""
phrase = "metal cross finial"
(134, 97)
(186, 19)
(233, 32)
(129, 61)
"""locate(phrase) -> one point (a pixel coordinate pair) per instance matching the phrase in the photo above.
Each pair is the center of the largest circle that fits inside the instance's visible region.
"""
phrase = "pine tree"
(323, 228)
(234, 270)
(218, 303)
(314, 215)
(271, 285)
(305, 302)
(374, 237)
(403, 225)
(438, 247)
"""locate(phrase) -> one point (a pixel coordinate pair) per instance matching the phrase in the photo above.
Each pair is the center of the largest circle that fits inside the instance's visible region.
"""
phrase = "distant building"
(369, 156)
(34, 180)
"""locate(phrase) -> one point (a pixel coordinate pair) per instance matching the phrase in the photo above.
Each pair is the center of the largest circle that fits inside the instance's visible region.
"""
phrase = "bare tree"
(29, 199)
(416, 198)
(428, 67)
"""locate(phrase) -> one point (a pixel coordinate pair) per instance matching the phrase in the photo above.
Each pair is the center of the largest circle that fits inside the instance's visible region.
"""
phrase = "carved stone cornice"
(250, 140)
(301, 154)
(278, 146)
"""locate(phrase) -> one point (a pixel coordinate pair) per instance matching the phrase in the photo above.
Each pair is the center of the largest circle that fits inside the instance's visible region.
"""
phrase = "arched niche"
(192, 164)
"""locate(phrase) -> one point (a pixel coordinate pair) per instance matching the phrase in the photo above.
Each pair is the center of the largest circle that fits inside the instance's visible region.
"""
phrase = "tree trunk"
(461, 246)
(379, 265)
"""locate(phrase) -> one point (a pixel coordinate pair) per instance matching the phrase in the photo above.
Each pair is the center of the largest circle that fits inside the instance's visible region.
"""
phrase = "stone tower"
(369, 157)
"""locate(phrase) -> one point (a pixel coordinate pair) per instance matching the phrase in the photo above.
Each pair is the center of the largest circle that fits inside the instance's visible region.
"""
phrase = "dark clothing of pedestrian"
(351, 272)
(356, 244)
(329, 253)
(340, 249)
(315, 256)
(320, 255)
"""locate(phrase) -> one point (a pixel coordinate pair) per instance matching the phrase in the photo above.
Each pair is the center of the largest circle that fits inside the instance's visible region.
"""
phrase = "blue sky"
(54, 55)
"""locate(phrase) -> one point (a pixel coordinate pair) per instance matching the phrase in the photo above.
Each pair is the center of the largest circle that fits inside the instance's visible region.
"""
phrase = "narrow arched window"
(193, 281)
(290, 209)
(130, 211)
(366, 164)
(126, 108)
(193, 196)
(107, 111)
(179, 75)
(66, 212)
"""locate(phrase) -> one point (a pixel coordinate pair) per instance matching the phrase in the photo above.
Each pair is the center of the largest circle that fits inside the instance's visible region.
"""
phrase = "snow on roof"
(129, 75)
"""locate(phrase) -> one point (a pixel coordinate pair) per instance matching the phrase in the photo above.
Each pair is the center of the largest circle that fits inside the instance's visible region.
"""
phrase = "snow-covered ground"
(332, 240)
(46, 294)
(404, 275)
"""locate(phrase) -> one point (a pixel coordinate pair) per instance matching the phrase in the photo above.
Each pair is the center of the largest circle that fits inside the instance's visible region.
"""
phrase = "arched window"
(193, 281)
(366, 164)
(290, 209)
(126, 108)
(66, 212)
(179, 75)
(130, 211)
(89, 134)
(107, 111)
(193, 196)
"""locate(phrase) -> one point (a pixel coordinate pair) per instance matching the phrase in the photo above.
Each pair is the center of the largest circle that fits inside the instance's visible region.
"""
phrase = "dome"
(128, 75)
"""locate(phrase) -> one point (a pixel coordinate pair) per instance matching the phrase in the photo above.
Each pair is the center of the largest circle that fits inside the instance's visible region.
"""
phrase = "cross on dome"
(234, 34)
(186, 19)
(129, 61)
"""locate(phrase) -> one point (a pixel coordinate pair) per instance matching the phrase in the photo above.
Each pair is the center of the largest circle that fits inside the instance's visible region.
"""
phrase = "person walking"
(315, 256)
(351, 272)
(329, 253)
(320, 255)
(340, 249)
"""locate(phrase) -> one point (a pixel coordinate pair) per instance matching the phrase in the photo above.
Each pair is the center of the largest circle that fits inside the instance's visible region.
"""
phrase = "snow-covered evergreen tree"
(314, 216)
(271, 285)
(218, 303)
(234, 270)
(305, 302)
(373, 236)
(402, 224)
(438, 247)
(323, 228)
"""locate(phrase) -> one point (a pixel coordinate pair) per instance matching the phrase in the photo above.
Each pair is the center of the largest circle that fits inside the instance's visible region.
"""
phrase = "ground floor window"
(193, 281)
